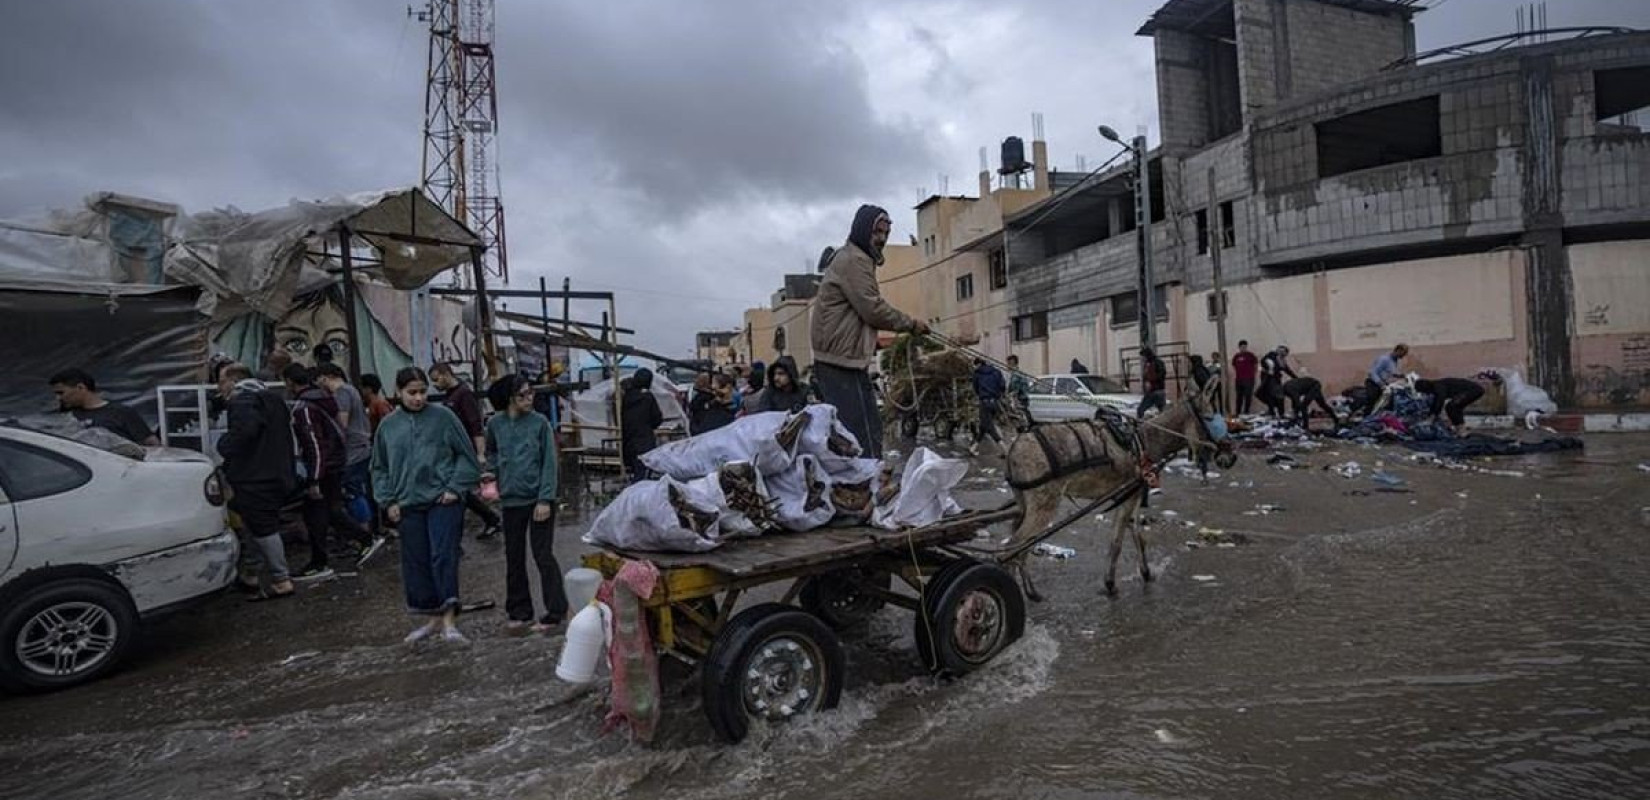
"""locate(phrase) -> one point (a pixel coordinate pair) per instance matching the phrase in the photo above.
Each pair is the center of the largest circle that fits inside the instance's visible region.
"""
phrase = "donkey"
(1084, 461)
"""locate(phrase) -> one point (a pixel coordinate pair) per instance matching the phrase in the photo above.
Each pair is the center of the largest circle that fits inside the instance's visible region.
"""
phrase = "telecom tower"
(460, 165)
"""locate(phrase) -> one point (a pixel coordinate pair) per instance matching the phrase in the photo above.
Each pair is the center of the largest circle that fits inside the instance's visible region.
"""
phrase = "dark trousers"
(1271, 393)
(850, 390)
(988, 424)
(521, 536)
(1373, 392)
(429, 557)
(479, 507)
(1303, 407)
(1456, 407)
(358, 483)
(1153, 399)
(323, 514)
(1245, 396)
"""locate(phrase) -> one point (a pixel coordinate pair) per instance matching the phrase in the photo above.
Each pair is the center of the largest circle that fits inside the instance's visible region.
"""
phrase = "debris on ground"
(1644, 467)
(1348, 470)
(297, 657)
(1203, 578)
(1054, 551)
(1268, 508)
(1386, 478)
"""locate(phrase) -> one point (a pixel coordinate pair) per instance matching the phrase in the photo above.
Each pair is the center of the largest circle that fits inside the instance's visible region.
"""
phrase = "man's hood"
(865, 220)
(320, 398)
(787, 365)
(643, 379)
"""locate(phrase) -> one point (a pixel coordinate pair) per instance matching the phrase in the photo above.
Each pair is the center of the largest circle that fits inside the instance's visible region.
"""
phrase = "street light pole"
(1143, 242)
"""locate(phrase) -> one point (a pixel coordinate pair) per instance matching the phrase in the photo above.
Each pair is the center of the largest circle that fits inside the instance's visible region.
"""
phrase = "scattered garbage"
(1268, 508)
(1165, 737)
(1203, 578)
(297, 657)
(1283, 461)
(1171, 514)
(1386, 478)
(1644, 467)
(1462, 495)
(1348, 470)
(1054, 551)
(1505, 473)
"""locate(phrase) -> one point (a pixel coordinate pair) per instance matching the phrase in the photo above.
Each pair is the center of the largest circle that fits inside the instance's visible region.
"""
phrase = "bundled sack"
(925, 492)
(1524, 400)
(803, 493)
(855, 484)
(739, 491)
(662, 516)
(825, 436)
(769, 441)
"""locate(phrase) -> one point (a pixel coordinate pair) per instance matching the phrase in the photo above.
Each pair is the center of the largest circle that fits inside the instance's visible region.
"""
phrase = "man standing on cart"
(847, 313)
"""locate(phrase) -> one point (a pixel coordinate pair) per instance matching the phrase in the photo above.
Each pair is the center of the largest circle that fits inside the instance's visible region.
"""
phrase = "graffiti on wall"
(1628, 385)
(315, 318)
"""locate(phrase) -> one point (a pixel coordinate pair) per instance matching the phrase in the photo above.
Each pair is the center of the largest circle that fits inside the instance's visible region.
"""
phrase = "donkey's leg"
(1140, 542)
(1037, 509)
(1125, 518)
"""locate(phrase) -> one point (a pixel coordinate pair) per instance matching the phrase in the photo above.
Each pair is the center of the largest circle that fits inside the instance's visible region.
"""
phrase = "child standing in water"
(521, 451)
(423, 463)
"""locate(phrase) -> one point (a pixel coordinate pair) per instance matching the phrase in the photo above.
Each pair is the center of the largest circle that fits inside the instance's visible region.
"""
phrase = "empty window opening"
(1621, 99)
(999, 269)
(1228, 229)
(1202, 218)
(965, 287)
(1125, 308)
(1031, 326)
(1390, 134)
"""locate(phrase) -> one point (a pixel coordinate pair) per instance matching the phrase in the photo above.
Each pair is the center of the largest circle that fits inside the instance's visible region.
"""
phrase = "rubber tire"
(19, 610)
(812, 597)
(729, 656)
(941, 611)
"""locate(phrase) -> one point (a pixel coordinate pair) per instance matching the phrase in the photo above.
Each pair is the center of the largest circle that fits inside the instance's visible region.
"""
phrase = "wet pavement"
(1471, 635)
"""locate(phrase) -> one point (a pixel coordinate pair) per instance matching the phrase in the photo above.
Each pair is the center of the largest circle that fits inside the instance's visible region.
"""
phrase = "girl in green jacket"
(521, 452)
(422, 465)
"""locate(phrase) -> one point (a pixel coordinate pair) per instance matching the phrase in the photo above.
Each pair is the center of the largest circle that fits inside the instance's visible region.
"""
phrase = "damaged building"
(1488, 204)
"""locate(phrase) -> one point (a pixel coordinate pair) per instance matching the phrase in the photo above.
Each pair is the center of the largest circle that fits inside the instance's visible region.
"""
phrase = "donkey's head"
(1204, 427)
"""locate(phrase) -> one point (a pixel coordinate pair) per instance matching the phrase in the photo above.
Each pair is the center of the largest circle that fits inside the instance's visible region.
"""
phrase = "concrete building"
(716, 347)
(1487, 208)
(781, 328)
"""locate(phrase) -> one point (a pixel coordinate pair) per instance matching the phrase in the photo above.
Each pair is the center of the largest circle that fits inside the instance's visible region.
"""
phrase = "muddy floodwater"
(1469, 635)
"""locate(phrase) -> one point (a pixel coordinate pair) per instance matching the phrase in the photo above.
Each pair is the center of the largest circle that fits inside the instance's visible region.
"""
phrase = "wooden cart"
(775, 660)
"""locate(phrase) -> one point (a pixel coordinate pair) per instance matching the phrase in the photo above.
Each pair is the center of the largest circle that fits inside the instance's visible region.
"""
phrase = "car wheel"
(65, 633)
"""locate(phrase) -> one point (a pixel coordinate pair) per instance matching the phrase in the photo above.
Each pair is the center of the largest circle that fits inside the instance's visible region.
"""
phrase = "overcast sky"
(686, 154)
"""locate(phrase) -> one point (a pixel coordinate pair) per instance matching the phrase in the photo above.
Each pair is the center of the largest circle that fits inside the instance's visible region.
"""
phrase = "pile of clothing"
(767, 473)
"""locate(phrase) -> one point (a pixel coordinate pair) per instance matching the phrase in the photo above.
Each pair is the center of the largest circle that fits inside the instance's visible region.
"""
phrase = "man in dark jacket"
(847, 313)
(1273, 366)
(1154, 382)
(1303, 393)
(640, 425)
(720, 407)
(321, 463)
(783, 393)
(459, 397)
(1450, 397)
(989, 388)
(257, 464)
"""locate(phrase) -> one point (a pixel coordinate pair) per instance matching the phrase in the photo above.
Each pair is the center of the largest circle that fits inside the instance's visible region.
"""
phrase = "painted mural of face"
(307, 326)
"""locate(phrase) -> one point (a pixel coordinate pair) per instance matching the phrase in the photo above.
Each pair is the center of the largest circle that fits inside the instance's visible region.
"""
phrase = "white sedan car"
(1058, 398)
(90, 541)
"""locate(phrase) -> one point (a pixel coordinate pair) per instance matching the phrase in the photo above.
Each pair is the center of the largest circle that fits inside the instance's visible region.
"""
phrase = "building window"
(1202, 217)
(1031, 326)
(1125, 308)
(1390, 134)
(999, 269)
(1216, 308)
(965, 287)
(1621, 99)
(1228, 229)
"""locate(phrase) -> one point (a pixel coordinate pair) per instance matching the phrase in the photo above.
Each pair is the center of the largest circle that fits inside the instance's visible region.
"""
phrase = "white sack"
(1523, 398)
(750, 438)
(733, 524)
(925, 492)
(642, 518)
(822, 423)
(790, 489)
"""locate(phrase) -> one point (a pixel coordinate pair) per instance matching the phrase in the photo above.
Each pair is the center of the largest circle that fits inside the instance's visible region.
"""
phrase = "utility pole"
(1143, 242)
(1217, 239)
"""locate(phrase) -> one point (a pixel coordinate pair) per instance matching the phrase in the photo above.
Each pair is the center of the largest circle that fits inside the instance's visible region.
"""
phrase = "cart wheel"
(971, 617)
(772, 662)
(908, 424)
(944, 429)
(840, 598)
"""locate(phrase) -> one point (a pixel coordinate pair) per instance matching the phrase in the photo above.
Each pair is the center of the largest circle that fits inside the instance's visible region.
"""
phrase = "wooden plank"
(774, 553)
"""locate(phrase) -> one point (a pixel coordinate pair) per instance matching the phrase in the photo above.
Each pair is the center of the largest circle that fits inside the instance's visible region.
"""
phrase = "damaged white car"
(91, 541)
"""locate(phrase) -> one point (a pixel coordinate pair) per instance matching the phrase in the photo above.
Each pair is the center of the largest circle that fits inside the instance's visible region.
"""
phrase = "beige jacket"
(849, 310)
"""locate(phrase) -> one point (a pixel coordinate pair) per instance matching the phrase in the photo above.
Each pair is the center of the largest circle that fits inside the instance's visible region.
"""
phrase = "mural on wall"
(315, 318)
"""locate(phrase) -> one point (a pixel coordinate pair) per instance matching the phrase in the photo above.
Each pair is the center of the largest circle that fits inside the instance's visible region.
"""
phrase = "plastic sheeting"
(130, 339)
(925, 492)
(594, 406)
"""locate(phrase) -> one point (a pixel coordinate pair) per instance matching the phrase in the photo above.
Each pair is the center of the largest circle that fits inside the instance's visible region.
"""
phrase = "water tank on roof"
(1014, 156)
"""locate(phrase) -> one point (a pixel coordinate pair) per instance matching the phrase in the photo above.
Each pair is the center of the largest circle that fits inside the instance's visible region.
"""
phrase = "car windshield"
(1099, 385)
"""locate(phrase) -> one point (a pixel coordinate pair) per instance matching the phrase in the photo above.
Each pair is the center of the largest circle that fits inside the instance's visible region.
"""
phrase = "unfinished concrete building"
(1489, 205)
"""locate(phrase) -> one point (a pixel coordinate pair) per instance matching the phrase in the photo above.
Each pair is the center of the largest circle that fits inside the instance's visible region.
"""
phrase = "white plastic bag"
(753, 438)
(643, 518)
(1524, 399)
(925, 492)
(792, 489)
(733, 523)
(822, 426)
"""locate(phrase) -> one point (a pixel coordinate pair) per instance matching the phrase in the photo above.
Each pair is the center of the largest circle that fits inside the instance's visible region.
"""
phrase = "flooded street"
(1479, 635)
